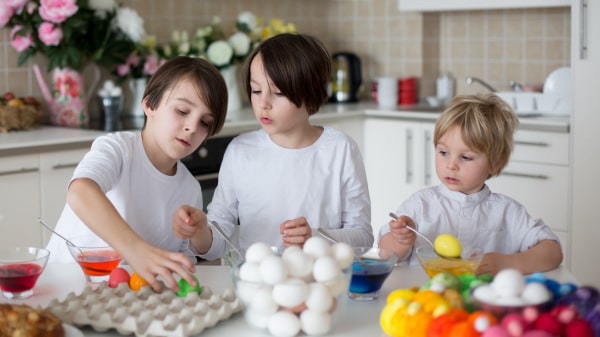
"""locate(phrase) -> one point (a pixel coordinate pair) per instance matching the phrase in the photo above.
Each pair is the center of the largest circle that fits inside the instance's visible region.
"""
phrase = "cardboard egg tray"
(145, 312)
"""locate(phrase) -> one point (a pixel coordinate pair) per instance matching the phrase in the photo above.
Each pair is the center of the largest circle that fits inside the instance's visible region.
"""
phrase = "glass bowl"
(20, 268)
(370, 269)
(434, 264)
(96, 259)
(292, 305)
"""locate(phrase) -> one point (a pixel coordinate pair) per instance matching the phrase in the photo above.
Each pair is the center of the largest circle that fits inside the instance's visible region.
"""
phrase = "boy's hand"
(295, 232)
(400, 233)
(187, 221)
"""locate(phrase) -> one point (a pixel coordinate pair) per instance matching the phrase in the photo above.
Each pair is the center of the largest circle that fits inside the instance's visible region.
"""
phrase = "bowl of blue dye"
(370, 269)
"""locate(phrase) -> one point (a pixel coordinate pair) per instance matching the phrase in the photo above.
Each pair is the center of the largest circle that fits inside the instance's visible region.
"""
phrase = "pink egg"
(495, 331)
(118, 275)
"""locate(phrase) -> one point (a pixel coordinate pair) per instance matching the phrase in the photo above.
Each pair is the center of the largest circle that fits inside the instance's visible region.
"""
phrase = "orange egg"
(136, 282)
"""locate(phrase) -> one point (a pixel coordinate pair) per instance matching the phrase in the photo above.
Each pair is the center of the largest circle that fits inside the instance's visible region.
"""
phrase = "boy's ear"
(146, 108)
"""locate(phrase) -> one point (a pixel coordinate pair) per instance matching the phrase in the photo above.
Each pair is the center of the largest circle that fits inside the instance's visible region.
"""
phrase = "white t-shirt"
(491, 221)
(263, 185)
(145, 197)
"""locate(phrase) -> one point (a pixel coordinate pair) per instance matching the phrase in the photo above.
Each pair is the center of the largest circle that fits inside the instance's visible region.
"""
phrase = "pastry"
(19, 320)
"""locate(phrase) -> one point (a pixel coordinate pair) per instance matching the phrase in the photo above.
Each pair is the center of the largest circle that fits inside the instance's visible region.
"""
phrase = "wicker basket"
(19, 118)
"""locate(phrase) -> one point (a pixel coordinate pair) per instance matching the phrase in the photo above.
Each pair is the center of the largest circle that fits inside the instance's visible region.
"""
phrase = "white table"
(356, 318)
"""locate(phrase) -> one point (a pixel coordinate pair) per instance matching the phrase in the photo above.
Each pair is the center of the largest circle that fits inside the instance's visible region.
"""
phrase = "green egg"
(186, 288)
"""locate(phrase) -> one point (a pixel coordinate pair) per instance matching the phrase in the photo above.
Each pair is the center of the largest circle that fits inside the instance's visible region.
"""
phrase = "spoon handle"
(43, 223)
(414, 230)
(324, 233)
(220, 230)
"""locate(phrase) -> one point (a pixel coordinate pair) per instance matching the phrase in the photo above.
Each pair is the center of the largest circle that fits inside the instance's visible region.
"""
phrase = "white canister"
(387, 92)
(445, 87)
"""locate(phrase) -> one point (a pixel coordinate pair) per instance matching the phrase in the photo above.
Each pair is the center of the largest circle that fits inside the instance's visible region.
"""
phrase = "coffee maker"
(346, 77)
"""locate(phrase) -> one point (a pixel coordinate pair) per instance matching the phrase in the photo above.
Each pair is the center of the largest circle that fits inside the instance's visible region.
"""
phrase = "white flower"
(219, 53)
(183, 48)
(129, 21)
(240, 43)
(248, 20)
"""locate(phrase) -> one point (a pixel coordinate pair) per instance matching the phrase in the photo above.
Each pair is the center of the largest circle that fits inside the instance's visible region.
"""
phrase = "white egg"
(258, 251)
(246, 290)
(485, 293)
(284, 324)
(298, 263)
(290, 293)
(535, 293)
(250, 271)
(343, 253)
(263, 301)
(319, 297)
(273, 270)
(511, 301)
(325, 269)
(315, 322)
(509, 283)
(257, 319)
(316, 247)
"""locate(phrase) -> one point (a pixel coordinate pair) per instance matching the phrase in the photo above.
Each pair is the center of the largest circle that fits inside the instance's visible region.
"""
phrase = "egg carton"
(145, 313)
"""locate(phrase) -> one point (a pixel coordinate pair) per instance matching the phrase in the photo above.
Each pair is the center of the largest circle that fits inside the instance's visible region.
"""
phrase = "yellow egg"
(447, 245)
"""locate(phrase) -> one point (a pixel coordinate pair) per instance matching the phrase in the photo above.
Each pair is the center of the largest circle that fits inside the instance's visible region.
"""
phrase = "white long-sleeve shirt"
(145, 197)
(262, 185)
(491, 221)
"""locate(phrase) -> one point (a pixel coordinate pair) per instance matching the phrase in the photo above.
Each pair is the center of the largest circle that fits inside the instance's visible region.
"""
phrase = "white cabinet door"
(399, 162)
(585, 144)
(19, 201)
(56, 171)
(351, 125)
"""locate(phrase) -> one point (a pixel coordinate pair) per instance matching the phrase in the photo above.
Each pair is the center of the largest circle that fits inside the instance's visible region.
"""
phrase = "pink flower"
(6, 11)
(50, 35)
(57, 11)
(151, 65)
(31, 7)
(133, 60)
(123, 69)
(17, 5)
(20, 42)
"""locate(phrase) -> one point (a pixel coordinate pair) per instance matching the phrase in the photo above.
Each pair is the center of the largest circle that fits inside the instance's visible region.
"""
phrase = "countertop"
(49, 138)
(356, 318)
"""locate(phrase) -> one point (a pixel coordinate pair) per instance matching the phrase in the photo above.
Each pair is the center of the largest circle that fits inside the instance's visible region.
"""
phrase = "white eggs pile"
(295, 291)
(510, 289)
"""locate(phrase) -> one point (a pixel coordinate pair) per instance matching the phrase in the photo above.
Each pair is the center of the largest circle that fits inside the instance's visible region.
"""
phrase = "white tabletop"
(355, 319)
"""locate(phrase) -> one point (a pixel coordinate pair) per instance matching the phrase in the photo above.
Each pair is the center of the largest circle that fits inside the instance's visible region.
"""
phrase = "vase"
(66, 97)
(134, 117)
(234, 101)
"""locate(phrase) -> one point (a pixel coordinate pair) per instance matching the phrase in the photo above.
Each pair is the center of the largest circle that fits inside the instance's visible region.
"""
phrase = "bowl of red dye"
(96, 258)
(20, 268)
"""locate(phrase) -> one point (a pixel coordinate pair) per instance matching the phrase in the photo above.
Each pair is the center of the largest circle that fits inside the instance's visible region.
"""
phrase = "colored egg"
(118, 275)
(136, 282)
(447, 245)
(185, 287)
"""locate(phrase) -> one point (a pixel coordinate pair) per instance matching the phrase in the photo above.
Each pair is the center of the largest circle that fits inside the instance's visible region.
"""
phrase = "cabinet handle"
(409, 156)
(540, 144)
(428, 155)
(23, 170)
(582, 29)
(64, 166)
(525, 175)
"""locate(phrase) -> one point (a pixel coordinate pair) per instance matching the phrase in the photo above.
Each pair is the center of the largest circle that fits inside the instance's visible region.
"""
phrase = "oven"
(204, 164)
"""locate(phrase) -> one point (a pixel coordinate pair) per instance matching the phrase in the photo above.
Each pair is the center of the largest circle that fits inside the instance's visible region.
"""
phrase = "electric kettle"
(346, 77)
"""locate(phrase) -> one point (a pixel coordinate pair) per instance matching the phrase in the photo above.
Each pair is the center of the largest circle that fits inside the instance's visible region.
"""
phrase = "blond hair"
(487, 124)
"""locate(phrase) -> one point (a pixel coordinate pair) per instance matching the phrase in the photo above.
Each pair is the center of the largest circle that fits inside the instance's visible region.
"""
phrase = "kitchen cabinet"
(399, 160)
(449, 5)
(537, 176)
(34, 185)
(20, 200)
(585, 183)
(56, 169)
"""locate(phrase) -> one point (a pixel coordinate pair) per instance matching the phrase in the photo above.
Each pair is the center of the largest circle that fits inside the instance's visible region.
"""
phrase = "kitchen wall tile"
(526, 44)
